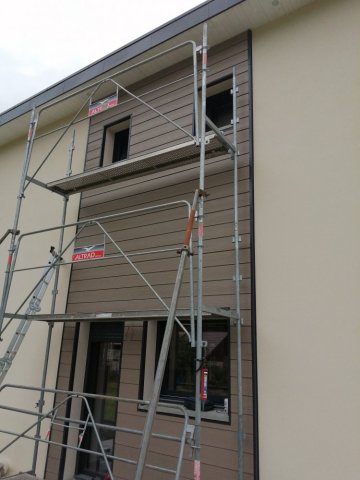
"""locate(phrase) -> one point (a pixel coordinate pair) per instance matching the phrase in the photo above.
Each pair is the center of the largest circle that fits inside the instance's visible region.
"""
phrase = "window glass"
(121, 142)
(179, 378)
(116, 142)
(219, 108)
(102, 377)
(219, 102)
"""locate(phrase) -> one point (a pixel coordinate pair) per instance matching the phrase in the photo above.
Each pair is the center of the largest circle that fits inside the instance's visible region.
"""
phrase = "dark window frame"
(218, 88)
(110, 128)
(110, 332)
(167, 396)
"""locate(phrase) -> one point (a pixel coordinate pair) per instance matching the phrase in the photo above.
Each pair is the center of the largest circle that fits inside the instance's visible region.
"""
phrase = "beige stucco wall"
(307, 210)
(41, 209)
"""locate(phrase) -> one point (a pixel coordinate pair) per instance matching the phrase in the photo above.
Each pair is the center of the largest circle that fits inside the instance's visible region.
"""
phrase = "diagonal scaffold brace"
(165, 344)
(33, 308)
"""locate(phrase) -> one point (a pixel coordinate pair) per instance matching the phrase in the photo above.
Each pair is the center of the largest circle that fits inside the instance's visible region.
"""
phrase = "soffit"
(247, 15)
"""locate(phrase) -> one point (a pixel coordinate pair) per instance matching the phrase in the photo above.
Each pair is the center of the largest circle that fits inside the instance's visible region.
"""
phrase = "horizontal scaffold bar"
(133, 315)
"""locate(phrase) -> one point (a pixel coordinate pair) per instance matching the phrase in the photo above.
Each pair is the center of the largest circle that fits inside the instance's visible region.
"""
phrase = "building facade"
(295, 67)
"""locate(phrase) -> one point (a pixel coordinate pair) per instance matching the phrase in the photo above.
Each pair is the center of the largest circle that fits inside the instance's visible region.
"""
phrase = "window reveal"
(116, 142)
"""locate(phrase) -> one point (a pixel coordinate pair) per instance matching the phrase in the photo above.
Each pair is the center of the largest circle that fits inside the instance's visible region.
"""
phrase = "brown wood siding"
(112, 285)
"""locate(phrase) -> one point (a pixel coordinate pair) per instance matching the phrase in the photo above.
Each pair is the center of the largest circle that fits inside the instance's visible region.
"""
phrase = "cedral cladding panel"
(112, 285)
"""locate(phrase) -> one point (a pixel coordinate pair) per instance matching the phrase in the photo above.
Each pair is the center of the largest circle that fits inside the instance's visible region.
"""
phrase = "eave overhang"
(237, 15)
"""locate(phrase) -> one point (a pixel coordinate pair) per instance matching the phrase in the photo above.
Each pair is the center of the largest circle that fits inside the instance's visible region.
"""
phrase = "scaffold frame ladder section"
(33, 308)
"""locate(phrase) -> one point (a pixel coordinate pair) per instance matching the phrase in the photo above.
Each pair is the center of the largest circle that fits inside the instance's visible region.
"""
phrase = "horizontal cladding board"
(151, 303)
(168, 458)
(168, 188)
(180, 116)
(132, 346)
(153, 206)
(217, 244)
(127, 278)
(246, 350)
(114, 215)
(120, 287)
(164, 222)
(133, 360)
(109, 203)
(216, 241)
(114, 267)
(165, 258)
(176, 96)
(167, 178)
(141, 122)
(215, 287)
(159, 140)
(218, 211)
(165, 139)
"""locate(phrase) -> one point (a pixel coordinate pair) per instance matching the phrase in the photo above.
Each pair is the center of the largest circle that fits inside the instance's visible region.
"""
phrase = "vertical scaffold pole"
(199, 343)
(160, 370)
(240, 423)
(11, 262)
(53, 305)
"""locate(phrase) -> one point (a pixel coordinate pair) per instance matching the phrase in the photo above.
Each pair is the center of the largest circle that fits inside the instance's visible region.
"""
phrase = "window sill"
(225, 129)
(216, 415)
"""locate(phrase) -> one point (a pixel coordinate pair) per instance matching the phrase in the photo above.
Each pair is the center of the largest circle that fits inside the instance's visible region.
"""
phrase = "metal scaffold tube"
(41, 402)
(240, 423)
(160, 370)
(12, 249)
(199, 343)
(61, 136)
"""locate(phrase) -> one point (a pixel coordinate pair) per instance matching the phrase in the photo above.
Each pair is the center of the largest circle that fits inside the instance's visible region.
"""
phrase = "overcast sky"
(42, 42)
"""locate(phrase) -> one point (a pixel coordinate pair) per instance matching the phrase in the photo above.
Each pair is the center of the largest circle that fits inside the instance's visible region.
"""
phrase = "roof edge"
(161, 34)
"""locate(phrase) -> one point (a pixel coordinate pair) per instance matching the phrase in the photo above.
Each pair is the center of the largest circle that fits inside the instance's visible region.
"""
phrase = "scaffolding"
(199, 145)
(55, 418)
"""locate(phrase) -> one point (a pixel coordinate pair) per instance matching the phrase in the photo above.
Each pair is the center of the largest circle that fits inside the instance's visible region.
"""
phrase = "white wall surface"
(307, 214)
(41, 209)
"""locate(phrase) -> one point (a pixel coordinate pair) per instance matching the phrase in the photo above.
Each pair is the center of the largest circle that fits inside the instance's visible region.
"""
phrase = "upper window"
(179, 378)
(116, 142)
(219, 103)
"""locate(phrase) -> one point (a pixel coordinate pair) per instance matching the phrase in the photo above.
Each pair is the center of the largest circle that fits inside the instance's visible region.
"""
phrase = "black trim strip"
(252, 262)
(142, 361)
(68, 405)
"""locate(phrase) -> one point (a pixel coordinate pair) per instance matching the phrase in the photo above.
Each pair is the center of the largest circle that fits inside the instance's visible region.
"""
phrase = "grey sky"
(42, 42)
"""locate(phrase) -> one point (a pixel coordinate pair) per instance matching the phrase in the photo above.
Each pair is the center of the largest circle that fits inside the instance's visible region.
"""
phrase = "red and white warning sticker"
(90, 252)
(102, 105)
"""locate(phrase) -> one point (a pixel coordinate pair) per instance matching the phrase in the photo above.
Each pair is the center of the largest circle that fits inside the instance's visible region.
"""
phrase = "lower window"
(179, 379)
(102, 377)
